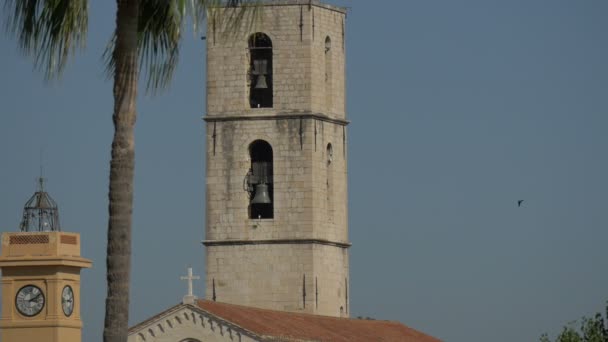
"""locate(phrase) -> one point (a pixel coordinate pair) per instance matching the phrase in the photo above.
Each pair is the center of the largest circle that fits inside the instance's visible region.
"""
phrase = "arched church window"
(328, 73)
(259, 181)
(260, 71)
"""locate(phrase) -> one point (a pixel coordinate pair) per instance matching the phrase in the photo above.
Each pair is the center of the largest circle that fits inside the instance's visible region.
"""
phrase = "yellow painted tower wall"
(49, 261)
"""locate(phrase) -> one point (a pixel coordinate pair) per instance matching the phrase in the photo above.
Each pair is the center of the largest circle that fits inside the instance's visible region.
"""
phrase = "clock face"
(29, 300)
(67, 300)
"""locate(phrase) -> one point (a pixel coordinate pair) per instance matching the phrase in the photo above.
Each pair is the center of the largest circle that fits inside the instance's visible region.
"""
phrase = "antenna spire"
(41, 178)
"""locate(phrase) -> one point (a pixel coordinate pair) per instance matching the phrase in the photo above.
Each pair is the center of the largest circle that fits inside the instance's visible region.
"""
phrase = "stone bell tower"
(41, 277)
(276, 224)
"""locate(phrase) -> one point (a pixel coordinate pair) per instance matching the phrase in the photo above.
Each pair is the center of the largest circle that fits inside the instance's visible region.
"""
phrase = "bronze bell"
(260, 69)
(261, 82)
(261, 194)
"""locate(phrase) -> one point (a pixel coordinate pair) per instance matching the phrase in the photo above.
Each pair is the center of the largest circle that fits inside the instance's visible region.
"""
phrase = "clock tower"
(41, 277)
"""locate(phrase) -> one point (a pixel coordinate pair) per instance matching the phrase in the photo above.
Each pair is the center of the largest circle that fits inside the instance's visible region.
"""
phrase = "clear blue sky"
(458, 110)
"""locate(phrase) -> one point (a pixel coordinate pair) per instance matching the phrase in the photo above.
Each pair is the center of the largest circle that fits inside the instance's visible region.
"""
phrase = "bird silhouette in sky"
(519, 202)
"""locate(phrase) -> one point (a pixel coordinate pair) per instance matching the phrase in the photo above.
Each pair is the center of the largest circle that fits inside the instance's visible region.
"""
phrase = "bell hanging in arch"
(261, 194)
(261, 82)
(260, 68)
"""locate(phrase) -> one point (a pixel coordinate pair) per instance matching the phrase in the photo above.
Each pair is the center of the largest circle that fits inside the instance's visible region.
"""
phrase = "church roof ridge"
(236, 306)
(299, 326)
(272, 325)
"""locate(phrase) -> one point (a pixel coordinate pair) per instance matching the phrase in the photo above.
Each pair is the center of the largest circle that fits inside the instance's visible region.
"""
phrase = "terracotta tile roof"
(289, 326)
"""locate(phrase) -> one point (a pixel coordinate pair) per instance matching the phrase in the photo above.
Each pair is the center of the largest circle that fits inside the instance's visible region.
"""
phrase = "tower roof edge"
(316, 3)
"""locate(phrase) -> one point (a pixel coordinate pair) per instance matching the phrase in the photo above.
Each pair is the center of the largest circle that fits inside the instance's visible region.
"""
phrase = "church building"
(276, 232)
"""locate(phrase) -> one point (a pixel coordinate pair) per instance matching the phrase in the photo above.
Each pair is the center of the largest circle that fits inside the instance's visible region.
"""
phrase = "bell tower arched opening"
(261, 181)
(260, 71)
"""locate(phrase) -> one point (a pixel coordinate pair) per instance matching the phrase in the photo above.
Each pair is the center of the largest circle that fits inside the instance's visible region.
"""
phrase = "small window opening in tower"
(260, 71)
(260, 181)
(328, 73)
(329, 190)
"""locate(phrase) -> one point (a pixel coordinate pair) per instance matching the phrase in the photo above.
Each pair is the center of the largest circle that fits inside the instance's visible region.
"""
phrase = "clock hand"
(36, 297)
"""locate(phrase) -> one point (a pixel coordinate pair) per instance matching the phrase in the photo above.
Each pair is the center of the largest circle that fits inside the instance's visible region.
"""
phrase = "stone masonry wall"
(329, 182)
(227, 201)
(310, 193)
(299, 60)
(268, 262)
(328, 76)
(309, 203)
(272, 277)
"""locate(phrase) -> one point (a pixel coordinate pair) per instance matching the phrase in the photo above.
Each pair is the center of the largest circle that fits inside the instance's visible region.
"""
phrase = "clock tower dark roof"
(40, 212)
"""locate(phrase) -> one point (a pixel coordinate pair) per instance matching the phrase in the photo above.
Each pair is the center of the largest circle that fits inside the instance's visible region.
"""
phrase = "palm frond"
(161, 24)
(50, 31)
(159, 35)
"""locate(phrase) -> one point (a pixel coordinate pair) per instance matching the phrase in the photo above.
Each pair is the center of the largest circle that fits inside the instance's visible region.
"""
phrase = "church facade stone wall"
(188, 324)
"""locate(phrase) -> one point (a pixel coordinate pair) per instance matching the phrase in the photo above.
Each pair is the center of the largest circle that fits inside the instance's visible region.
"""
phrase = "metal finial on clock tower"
(40, 212)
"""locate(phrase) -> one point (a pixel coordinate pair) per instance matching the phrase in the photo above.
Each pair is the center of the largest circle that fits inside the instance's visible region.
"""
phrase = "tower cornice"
(310, 3)
(282, 116)
(239, 242)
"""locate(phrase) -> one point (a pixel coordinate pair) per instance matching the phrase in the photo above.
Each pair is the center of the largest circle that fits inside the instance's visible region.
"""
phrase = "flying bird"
(519, 202)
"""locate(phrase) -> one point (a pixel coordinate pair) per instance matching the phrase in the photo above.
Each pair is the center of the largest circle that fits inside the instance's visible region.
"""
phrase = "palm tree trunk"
(122, 165)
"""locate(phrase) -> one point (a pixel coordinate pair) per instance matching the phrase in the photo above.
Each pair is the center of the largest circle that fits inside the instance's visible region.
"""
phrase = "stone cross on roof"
(189, 298)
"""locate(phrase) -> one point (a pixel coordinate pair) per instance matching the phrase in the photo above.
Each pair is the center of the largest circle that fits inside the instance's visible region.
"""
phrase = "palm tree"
(147, 37)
